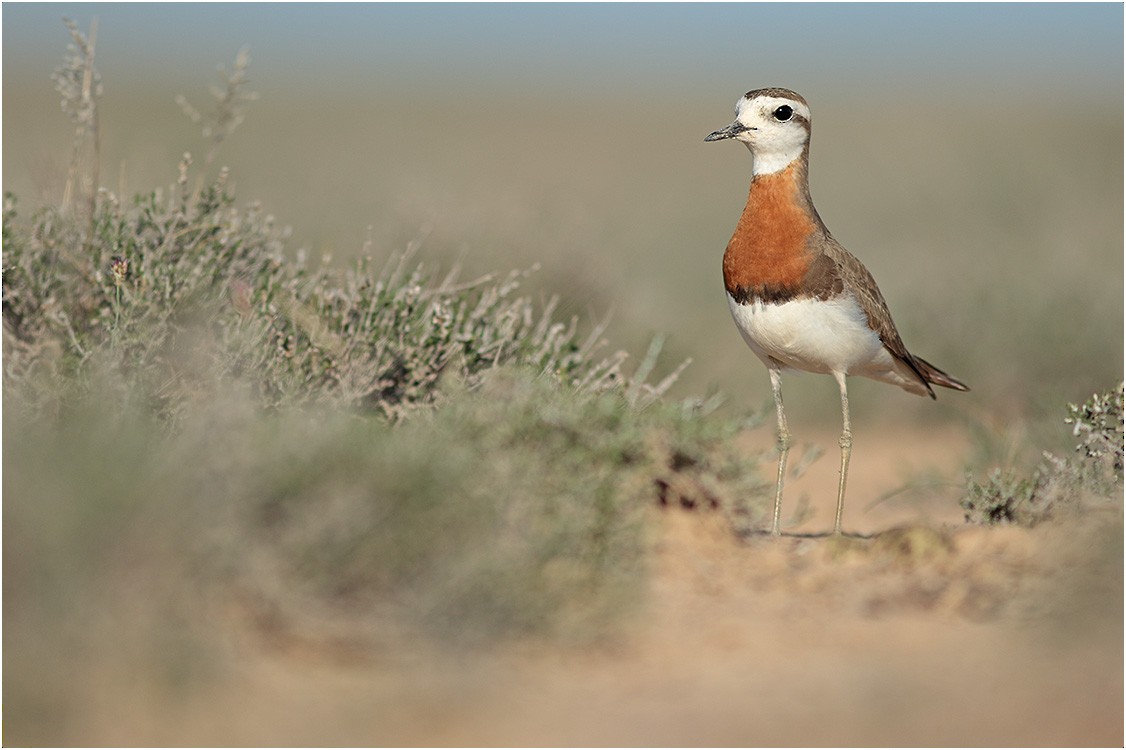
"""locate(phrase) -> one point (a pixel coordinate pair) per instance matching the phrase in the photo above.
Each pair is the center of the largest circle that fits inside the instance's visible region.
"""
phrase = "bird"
(801, 300)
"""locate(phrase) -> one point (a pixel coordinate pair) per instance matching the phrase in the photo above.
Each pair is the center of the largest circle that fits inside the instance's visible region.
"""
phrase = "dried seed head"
(119, 267)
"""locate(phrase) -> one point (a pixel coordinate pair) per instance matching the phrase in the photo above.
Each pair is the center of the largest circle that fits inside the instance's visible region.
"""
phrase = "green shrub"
(1006, 497)
(1098, 425)
(1095, 470)
(164, 275)
(519, 508)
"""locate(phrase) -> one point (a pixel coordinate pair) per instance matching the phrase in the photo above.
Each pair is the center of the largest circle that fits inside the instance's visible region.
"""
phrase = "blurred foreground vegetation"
(196, 424)
(200, 422)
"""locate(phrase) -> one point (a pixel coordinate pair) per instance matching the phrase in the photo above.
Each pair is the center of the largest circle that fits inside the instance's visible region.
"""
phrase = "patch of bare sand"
(923, 634)
(897, 475)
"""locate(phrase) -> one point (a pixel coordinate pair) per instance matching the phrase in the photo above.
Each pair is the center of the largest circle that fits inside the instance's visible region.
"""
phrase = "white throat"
(771, 161)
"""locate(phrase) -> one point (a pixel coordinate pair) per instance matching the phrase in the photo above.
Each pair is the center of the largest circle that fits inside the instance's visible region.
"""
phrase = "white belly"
(812, 335)
(821, 336)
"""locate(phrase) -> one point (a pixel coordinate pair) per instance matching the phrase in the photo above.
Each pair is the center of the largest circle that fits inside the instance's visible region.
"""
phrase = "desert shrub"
(369, 337)
(517, 509)
(1006, 497)
(1098, 425)
(1058, 484)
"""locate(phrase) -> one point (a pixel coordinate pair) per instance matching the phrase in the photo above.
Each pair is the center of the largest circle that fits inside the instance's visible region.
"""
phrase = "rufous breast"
(769, 255)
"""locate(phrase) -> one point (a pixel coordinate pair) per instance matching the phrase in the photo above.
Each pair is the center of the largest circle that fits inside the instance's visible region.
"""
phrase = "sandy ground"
(927, 632)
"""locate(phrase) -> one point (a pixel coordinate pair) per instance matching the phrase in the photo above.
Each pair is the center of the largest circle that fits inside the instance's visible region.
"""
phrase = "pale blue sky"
(1030, 46)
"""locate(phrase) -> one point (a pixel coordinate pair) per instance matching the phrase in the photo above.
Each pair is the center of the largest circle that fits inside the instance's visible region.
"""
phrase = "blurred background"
(970, 155)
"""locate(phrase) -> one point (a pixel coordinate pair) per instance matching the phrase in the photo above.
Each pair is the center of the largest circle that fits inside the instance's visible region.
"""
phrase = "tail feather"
(932, 374)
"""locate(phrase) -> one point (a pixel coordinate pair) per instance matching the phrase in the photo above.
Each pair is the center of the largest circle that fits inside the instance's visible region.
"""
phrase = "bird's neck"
(778, 159)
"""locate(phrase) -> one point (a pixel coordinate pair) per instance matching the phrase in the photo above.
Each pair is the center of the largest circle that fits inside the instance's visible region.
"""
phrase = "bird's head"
(773, 123)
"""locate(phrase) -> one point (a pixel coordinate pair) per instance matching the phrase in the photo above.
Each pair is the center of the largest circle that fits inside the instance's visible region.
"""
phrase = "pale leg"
(783, 448)
(846, 448)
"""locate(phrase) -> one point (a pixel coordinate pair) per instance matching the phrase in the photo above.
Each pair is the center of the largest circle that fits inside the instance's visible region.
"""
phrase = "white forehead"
(763, 105)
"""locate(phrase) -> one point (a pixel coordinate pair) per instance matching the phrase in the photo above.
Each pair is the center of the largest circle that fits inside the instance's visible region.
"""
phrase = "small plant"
(1005, 497)
(1098, 425)
(1094, 470)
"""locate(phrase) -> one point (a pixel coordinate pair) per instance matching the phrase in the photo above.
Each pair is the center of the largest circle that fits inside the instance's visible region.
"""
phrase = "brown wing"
(857, 278)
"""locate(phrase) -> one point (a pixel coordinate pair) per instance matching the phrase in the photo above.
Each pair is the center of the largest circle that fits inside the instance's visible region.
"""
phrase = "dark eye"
(783, 113)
